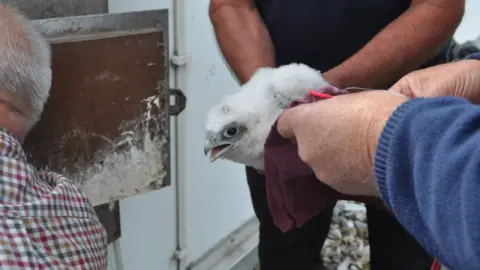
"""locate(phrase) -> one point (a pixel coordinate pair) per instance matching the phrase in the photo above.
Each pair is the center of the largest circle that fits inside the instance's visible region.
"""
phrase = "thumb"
(285, 124)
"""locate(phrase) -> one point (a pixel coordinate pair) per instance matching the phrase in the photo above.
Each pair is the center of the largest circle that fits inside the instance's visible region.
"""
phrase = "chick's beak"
(207, 147)
(215, 149)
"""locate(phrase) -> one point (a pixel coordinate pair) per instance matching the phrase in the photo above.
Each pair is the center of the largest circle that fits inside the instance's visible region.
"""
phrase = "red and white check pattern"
(46, 222)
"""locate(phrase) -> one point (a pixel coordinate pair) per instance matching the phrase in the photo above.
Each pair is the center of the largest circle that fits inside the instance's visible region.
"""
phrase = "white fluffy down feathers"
(237, 127)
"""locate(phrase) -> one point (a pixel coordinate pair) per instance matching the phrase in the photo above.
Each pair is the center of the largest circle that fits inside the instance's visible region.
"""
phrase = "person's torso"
(324, 33)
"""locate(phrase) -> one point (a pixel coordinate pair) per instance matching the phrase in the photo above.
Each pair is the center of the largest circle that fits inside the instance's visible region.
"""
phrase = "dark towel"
(294, 194)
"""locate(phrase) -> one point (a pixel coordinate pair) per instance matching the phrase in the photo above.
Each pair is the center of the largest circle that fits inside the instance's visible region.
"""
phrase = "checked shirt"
(46, 221)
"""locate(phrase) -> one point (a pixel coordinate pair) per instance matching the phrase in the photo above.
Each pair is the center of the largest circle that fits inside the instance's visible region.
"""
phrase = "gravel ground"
(346, 247)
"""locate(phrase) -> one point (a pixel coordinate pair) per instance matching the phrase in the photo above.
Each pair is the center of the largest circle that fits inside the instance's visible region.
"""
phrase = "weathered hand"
(460, 79)
(337, 137)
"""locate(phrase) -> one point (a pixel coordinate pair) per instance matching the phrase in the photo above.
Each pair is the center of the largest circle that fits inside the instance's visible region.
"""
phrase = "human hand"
(460, 79)
(338, 137)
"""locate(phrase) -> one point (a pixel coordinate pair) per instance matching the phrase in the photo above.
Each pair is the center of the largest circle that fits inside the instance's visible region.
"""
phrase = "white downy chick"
(238, 126)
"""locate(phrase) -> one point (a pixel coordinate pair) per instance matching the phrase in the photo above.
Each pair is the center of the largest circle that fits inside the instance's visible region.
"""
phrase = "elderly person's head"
(25, 73)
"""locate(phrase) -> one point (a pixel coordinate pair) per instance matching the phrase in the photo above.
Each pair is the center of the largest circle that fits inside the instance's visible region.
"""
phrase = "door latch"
(178, 102)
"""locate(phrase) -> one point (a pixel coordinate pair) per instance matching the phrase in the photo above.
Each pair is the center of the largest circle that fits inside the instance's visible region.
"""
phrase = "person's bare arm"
(242, 36)
(405, 44)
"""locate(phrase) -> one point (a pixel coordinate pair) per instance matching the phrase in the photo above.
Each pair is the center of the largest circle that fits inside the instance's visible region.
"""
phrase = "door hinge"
(180, 60)
(178, 102)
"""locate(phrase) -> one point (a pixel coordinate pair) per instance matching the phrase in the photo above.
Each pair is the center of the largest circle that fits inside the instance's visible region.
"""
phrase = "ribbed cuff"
(473, 56)
(382, 154)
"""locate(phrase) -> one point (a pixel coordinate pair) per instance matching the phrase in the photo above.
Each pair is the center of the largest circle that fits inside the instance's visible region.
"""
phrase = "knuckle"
(305, 155)
(400, 86)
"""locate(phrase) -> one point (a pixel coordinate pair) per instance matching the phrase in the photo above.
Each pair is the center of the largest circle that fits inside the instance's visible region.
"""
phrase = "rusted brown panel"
(97, 86)
(99, 92)
(40, 9)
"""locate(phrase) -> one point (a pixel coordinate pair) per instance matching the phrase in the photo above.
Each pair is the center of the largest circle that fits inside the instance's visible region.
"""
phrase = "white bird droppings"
(133, 164)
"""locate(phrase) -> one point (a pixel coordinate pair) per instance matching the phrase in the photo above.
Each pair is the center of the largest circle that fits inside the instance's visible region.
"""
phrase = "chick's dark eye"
(230, 132)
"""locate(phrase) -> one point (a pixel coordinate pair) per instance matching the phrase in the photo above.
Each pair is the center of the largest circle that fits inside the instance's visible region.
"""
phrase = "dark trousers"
(391, 246)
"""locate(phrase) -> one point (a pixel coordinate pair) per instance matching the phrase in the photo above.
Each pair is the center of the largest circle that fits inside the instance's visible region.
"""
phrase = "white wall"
(217, 197)
(470, 27)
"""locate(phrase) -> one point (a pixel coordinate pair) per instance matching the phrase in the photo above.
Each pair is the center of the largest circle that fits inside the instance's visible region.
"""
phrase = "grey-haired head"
(25, 72)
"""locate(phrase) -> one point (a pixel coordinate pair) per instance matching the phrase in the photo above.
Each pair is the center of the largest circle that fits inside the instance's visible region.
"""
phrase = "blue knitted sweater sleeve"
(427, 167)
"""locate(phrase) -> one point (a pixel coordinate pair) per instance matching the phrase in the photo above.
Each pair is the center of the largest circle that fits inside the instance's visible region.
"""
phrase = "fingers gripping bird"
(238, 126)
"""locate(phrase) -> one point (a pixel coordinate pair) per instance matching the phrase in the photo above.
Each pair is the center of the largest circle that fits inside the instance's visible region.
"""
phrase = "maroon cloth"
(294, 194)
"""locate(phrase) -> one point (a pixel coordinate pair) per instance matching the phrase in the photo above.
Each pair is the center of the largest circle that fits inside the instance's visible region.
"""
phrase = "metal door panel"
(105, 125)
